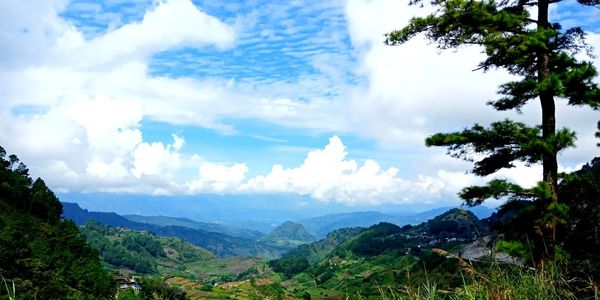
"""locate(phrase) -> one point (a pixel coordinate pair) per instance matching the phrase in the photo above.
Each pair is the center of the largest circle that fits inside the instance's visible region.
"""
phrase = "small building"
(125, 280)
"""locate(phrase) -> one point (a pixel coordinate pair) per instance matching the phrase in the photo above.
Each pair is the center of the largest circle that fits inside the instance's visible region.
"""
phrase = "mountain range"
(227, 240)
(226, 229)
(321, 226)
(218, 243)
(257, 212)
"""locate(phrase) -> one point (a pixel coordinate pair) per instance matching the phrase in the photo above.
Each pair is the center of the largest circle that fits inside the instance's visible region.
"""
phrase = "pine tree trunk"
(550, 165)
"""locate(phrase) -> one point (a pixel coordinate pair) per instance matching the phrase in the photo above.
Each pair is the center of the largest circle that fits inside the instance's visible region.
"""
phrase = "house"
(125, 280)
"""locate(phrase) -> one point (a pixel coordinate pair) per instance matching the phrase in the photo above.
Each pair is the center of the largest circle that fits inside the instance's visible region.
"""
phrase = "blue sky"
(181, 98)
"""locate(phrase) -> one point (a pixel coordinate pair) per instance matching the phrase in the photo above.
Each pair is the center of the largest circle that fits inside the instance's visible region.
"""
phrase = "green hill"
(148, 254)
(355, 262)
(288, 235)
(44, 256)
(141, 251)
(301, 257)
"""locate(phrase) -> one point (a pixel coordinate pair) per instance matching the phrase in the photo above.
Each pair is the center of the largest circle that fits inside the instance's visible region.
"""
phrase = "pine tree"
(542, 55)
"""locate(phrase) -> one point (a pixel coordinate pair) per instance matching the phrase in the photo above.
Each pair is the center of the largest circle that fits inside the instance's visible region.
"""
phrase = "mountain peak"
(288, 234)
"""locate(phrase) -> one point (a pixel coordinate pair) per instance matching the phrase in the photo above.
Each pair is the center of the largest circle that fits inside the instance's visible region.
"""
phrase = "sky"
(234, 98)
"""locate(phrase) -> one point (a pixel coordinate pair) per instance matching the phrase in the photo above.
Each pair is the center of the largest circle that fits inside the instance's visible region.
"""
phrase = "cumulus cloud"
(218, 178)
(327, 175)
(156, 158)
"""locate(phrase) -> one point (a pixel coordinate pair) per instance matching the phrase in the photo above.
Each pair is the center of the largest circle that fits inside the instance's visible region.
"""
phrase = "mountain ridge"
(220, 244)
(230, 230)
(322, 225)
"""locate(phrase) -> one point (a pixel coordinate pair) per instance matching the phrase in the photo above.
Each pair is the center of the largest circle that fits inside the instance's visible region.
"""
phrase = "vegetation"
(357, 262)
(147, 254)
(494, 282)
(300, 258)
(543, 58)
(153, 288)
(139, 251)
(581, 192)
(43, 256)
(553, 225)
(425, 261)
(47, 257)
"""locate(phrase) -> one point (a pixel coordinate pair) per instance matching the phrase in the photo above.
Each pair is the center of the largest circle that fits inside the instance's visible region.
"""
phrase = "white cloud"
(49, 39)
(217, 178)
(153, 159)
(172, 23)
(113, 170)
(327, 175)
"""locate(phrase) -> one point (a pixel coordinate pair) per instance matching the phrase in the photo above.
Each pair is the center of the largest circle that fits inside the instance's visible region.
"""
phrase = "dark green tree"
(44, 256)
(542, 56)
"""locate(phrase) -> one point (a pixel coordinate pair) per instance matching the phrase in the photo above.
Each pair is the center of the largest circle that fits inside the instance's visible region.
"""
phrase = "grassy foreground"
(503, 283)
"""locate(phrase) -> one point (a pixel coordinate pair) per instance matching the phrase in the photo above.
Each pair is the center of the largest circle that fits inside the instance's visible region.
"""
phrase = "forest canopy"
(44, 255)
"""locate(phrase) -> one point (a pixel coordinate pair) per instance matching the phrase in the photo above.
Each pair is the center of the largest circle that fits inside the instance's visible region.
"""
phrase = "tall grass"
(515, 282)
(500, 282)
(12, 294)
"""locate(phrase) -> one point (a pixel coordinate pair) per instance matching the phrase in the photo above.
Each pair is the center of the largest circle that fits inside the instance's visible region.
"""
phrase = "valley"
(355, 262)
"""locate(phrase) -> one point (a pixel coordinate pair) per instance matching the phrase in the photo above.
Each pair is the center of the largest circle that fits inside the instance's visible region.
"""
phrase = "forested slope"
(42, 254)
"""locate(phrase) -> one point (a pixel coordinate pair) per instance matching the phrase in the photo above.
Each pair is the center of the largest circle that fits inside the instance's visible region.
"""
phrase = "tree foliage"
(44, 256)
(289, 266)
(137, 251)
(156, 288)
(542, 57)
(581, 192)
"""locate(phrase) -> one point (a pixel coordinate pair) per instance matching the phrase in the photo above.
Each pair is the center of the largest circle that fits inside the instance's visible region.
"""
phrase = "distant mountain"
(261, 212)
(81, 216)
(210, 227)
(321, 226)
(256, 211)
(218, 243)
(288, 234)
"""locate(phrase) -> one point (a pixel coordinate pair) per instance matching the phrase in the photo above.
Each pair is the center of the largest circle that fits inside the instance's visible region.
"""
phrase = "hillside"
(301, 257)
(288, 235)
(355, 261)
(455, 226)
(44, 256)
(148, 254)
(220, 244)
(210, 227)
(140, 251)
